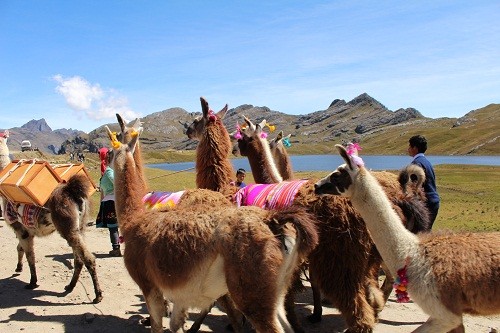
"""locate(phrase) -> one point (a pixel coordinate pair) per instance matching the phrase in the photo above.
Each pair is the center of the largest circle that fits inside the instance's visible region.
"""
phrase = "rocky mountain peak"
(37, 126)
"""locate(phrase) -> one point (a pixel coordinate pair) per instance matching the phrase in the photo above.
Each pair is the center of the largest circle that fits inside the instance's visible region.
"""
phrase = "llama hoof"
(69, 288)
(19, 268)
(98, 299)
(146, 321)
(314, 318)
(31, 286)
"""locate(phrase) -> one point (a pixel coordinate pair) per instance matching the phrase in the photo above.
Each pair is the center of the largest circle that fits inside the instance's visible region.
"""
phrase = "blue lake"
(330, 162)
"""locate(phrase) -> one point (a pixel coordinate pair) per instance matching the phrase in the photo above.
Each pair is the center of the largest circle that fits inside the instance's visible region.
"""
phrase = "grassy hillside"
(470, 195)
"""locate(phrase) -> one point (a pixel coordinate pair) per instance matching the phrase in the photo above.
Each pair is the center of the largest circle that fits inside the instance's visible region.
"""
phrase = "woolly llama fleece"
(446, 274)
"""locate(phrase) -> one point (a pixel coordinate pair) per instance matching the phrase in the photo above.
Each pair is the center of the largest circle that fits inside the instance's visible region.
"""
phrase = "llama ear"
(262, 123)
(136, 124)
(279, 136)
(122, 122)
(345, 156)
(222, 112)
(251, 126)
(112, 137)
(135, 138)
(204, 107)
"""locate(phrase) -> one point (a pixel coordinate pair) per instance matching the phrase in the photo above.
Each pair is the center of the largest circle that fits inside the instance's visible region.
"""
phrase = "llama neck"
(213, 167)
(139, 165)
(393, 240)
(4, 154)
(264, 169)
(283, 162)
(128, 200)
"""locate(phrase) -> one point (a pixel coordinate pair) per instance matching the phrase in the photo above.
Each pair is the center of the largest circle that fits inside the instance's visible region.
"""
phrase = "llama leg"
(388, 282)
(197, 323)
(315, 317)
(27, 245)
(357, 312)
(20, 256)
(83, 256)
(446, 323)
(282, 316)
(236, 318)
(177, 319)
(290, 304)
(156, 308)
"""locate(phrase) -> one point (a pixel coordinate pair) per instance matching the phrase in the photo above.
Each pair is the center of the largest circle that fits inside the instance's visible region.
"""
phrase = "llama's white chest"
(205, 285)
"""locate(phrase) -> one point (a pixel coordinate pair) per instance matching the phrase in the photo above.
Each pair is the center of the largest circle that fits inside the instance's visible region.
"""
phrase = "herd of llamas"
(247, 249)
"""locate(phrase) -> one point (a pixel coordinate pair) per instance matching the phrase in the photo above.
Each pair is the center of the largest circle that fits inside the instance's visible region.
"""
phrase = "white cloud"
(95, 102)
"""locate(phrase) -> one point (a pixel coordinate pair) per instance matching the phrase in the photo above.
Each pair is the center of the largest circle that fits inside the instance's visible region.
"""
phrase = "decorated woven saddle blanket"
(161, 200)
(269, 196)
(24, 213)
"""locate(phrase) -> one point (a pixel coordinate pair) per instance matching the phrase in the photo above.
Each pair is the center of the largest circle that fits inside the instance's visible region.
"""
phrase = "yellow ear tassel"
(272, 128)
(134, 133)
(114, 142)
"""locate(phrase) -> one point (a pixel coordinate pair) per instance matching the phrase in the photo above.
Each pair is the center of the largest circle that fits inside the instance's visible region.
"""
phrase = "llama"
(280, 155)
(67, 212)
(360, 299)
(193, 256)
(213, 168)
(447, 274)
(4, 150)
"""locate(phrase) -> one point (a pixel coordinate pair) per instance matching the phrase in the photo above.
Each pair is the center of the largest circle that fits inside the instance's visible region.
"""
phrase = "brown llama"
(284, 165)
(213, 167)
(191, 197)
(341, 231)
(281, 157)
(67, 212)
(447, 274)
(193, 256)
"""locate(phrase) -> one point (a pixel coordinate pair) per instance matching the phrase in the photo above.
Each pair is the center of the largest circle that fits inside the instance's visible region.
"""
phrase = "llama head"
(120, 150)
(279, 142)
(251, 138)
(3, 140)
(199, 124)
(127, 128)
(341, 181)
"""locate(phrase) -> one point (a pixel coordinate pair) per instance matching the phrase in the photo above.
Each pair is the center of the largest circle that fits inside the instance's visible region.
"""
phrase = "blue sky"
(76, 63)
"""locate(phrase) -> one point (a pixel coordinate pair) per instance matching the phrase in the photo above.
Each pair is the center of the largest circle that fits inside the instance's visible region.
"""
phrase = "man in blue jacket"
(416, 149)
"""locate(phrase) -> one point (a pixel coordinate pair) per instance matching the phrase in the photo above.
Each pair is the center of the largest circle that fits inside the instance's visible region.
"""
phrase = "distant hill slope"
(380, 130)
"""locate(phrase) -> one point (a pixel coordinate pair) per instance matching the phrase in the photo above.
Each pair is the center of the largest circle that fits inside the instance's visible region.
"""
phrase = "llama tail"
(77, 188)
(304, 224)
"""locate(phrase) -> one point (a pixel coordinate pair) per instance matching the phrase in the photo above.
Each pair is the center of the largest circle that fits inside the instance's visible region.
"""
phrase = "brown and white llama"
(283, 163)
(193, 256)
(281, 157)
(67, 212)
(341, 230)
(447, 274)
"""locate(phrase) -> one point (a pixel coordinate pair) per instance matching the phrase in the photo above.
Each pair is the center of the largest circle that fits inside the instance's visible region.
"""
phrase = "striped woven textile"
(269, 196)
(24, 213)
(160, 200)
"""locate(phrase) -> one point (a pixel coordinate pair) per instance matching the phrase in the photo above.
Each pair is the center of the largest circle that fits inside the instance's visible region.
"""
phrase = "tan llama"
(446, 274)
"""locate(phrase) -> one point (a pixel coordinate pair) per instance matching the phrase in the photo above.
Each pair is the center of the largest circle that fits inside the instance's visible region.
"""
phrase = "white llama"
(446, 274)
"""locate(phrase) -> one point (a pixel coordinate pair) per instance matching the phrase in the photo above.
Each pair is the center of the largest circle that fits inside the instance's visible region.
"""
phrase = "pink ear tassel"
(238, 135)
(263, 135)
(212, 116)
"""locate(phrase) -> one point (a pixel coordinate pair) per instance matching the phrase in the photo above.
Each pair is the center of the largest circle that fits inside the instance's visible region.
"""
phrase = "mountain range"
(380, 130)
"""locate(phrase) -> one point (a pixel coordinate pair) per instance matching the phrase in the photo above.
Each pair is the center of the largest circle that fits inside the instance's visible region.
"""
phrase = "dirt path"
(49, 309)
